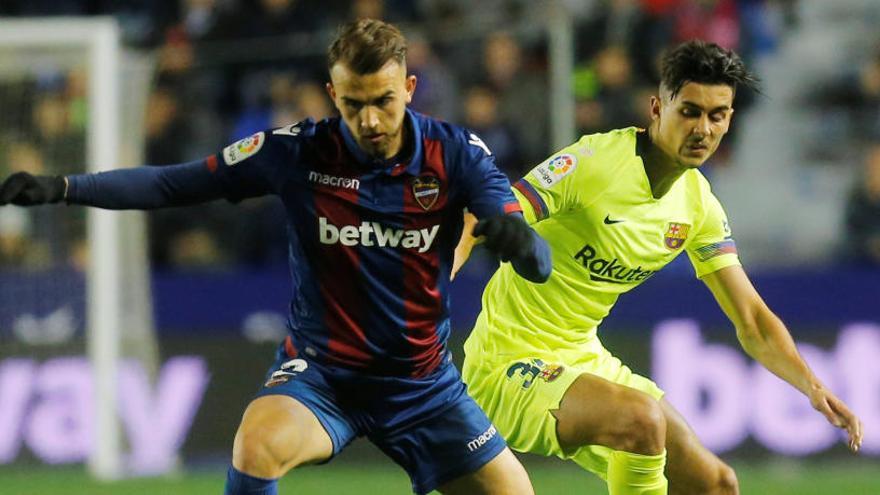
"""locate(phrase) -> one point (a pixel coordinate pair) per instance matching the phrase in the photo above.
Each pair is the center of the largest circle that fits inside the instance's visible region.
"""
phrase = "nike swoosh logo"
(609, 221)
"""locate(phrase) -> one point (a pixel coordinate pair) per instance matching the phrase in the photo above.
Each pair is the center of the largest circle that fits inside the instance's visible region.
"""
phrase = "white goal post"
(116, 279)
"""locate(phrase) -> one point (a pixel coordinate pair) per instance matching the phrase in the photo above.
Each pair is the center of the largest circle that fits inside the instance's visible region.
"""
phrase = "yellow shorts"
(519, 393)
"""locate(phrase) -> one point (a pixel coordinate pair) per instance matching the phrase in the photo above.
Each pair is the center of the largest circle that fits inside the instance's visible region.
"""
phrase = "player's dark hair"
(704, 63)
(366, 45)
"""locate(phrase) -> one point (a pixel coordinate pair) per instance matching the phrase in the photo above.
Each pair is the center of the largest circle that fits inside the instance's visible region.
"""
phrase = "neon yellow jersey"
(593, 204)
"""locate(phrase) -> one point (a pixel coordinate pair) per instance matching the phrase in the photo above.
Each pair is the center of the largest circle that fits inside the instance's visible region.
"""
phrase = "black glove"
(507, 236)
(24, 189)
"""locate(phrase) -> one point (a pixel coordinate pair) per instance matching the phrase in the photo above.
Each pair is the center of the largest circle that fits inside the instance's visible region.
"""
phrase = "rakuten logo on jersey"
(374, 234)
(612, 270)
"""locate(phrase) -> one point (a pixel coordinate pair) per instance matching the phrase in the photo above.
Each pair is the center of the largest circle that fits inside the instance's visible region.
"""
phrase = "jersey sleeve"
(712, 248)
(487, 189)
(570, 179)
(256, 165)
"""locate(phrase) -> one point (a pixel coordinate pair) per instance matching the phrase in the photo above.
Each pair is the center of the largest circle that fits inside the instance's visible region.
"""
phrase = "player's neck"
(399, 149)
(661, 169)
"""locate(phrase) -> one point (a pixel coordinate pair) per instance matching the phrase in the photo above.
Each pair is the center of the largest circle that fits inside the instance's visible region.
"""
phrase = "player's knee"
(720, 480)
(643, 428)
(727, 483)
(256, 452)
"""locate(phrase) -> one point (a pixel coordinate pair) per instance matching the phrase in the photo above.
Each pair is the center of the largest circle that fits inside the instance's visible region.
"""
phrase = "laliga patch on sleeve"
(554, 169)
(243, 149)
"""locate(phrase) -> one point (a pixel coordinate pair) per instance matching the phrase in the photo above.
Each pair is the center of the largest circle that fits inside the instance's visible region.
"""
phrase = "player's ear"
(410, 87)
(655, 107)
(330, 91)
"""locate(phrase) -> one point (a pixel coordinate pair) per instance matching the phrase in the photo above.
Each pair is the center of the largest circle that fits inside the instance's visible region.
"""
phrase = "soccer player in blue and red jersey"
(374, 202)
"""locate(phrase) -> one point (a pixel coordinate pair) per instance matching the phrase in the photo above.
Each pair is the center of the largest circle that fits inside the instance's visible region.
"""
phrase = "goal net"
(74, 291)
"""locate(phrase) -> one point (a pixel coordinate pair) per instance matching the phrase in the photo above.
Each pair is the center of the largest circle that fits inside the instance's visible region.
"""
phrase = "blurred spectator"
(522, 93)
(196, 248)
(481, 115)
(62, 145)
(851, 105)
(15, 242)
(310, 100)
(166, 132)
(470, 16)
(45, 7)
(24, 156)
(367, 9)
(710, 20)
(185, 67)
(396, 11)
(605, 93)
(25, 233)
(207, 20)
(282, 17)
(286, 102)
(607, 22)
(192, 239)
(864, 96)
(437, 89)
(634, 26)
(76, 95)
(863, 211)
(228, 68)
(268, 99)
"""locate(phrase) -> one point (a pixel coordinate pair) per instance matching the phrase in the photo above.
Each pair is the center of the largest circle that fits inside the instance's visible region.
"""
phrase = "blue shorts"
(429, 426)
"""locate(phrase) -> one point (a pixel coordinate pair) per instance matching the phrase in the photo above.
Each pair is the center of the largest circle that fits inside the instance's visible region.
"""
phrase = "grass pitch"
(859, 477)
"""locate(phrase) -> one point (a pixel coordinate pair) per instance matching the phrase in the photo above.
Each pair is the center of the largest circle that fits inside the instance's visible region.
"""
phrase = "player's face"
(689, 127)
(373, 105)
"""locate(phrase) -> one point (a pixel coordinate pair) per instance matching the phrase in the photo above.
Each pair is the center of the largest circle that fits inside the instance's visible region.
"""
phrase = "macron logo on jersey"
(374, 234)
(332, 180)
(482, 439)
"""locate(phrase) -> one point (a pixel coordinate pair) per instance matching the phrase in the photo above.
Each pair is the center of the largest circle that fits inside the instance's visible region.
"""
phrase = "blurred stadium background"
(197, 296)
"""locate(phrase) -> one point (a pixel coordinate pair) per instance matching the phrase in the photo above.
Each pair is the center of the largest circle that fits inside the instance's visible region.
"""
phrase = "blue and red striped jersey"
(371, 241)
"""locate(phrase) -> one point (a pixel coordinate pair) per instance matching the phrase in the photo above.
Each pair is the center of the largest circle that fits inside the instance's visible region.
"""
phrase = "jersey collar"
(396, 165)
(643, 142)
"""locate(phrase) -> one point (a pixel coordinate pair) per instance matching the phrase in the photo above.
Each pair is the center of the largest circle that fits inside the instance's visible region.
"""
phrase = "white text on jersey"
(332, 180)
(374, 234)
(482, 439)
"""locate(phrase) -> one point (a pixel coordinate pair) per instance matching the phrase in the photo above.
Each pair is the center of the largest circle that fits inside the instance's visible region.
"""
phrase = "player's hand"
(508, 236)
(838, 414)
(24, 189)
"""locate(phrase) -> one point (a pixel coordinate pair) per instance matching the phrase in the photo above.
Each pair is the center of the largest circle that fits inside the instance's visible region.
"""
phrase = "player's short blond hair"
(366, 45)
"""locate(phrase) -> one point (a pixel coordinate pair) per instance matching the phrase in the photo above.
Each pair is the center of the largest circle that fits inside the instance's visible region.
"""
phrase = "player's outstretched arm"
(766, 339)
(139, 188)
(511, 239)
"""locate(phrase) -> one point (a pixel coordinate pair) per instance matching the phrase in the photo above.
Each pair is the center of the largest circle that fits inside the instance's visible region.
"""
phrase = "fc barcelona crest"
(426, 190)
(676, 234)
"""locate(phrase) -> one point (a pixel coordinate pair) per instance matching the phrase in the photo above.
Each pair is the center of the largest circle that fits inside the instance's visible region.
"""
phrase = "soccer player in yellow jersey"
(615, 208)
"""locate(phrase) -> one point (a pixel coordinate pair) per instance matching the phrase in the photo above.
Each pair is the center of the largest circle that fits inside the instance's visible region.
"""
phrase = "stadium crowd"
(228, 68)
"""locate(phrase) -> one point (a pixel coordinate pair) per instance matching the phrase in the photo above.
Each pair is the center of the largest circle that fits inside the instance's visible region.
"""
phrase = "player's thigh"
(690, 467)
(502, 475)
(439, 434)
(519, 395)
(597, 411)
(278, 433)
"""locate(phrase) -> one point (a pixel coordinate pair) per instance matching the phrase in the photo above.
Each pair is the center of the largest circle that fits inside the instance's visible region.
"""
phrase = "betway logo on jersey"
(332, 180)
(375, 234)
(603, 270)
(482, 439)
